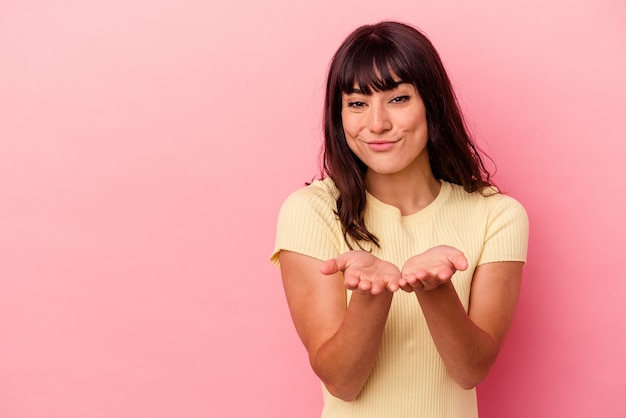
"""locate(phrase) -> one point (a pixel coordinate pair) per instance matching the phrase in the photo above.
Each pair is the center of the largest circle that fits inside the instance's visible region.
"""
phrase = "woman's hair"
(369, 58)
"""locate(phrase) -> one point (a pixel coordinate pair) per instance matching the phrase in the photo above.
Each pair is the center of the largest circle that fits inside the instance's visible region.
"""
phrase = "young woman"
(402, 266)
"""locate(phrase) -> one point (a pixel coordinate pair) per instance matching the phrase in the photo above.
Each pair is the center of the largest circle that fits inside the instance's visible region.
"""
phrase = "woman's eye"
(356, 104)
(400, 99)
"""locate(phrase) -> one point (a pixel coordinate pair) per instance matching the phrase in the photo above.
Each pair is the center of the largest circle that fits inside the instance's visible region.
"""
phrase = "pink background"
(146, 147)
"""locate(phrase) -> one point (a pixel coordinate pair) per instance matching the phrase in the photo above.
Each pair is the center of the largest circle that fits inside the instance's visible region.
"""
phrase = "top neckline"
(389, 210)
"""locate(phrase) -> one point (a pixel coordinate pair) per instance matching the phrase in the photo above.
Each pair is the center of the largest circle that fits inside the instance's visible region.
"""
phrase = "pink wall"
(145, 148)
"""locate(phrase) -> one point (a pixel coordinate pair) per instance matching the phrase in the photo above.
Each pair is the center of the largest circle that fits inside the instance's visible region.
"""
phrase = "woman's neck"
(409, 192)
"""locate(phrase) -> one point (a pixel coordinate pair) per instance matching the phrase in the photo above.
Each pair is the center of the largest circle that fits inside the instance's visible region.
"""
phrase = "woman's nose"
(379, 119)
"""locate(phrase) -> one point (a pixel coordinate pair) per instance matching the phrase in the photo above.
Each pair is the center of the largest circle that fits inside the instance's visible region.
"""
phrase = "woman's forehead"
(371, 77)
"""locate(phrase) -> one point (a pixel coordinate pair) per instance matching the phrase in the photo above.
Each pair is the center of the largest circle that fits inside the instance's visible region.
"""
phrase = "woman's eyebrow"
(358, 90)
(355, 90)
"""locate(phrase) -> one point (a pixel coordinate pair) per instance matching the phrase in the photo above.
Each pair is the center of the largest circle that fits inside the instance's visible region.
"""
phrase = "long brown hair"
(369, 57)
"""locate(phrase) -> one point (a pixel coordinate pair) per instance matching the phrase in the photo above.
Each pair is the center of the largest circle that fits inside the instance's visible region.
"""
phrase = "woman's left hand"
(432, 268)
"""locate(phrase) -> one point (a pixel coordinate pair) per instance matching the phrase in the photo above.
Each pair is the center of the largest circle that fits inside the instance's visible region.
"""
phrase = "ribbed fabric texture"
(409, 379)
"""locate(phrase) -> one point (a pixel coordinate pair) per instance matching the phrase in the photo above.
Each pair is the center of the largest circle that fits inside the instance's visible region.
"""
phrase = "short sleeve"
(307, 224)
(506, 234)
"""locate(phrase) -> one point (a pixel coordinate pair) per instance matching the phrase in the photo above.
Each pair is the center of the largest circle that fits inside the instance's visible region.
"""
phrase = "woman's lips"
(380, 146)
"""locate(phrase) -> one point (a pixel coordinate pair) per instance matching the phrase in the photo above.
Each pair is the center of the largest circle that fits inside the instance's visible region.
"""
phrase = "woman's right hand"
(364, 272)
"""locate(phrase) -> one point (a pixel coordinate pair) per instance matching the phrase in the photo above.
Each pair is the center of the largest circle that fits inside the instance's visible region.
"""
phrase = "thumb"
(332, 266)
(329, 267)
(459, 261)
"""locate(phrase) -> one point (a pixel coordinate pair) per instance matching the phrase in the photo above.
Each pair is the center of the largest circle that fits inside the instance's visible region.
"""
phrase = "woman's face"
(387, 130)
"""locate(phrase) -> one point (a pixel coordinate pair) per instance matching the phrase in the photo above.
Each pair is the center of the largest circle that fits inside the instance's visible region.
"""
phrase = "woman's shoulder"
(322, 190)
(489, 198)
(319, 196)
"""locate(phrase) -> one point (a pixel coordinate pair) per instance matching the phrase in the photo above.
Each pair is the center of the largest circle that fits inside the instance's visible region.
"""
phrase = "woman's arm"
(468, 343)
(342, 342)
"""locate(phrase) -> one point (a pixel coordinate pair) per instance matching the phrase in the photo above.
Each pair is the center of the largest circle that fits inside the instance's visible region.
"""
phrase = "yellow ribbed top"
(409, 379)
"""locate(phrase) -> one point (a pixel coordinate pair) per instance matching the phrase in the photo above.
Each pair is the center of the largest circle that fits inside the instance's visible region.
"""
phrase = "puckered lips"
(381, 145)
